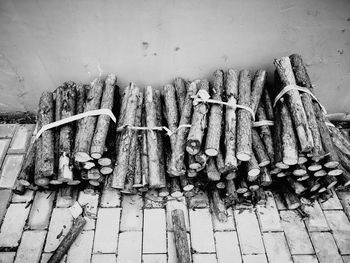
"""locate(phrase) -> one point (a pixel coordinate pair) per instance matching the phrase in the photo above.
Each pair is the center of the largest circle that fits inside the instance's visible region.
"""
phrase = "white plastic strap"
(263, 123)
(302, 89)
(75, 118)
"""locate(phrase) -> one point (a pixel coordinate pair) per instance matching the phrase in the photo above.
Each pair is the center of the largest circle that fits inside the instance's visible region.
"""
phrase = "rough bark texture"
(241, 185)
(212, 171)
(231, 192)
(253, 169)
(257, 89)
(144, 151)
(44, 159)
(215, 118)
(176, 167)
(138, 165)
(103, 121)
(175, 189)
(86, 126)
(26, 176)
(289, 141)
(339, 140)
(171, 111)
(344, 160)
(244, 118)
(218, 206)
(181, 91)
(199, 122)
(123, 150)
(268, 105)
(344, 178)
(68, 240)
(265, 177)
(328, 181)
(295, 104)
(259, 149)
(220, 163)
(290, 198)
(181, 241)
(311, 184)
(230, 120)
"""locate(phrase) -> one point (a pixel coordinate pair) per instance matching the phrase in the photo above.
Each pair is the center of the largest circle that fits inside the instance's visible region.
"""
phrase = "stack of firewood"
(232, 136)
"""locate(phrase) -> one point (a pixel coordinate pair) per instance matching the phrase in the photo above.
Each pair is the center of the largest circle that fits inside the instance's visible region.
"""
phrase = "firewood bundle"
(77, 151)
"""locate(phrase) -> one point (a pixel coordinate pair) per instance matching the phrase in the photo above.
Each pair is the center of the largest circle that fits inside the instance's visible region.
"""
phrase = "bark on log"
(265, 177)
(199, 122)
(231, 89)
(231, 192)
(241, 185)
(122, 162)
(344, 178)
(339, 140)
(44, 159)
(144, 151)
(181, 241)
(290, 198)
(138, 166)
(343, 159)
(253, 169)
(312, 185)
(103, 121)
(181, 91)
(176, 167)
(68, 240)
(268, 105)
(295, 104)
(218, 206)
(220, 163)
(175, 190)
(295, 185)
(289, 143)
(328, 181)
(259, 149)
(257, 89)
(186, 183)
(215, 117)
(244, 121)
(87, 125)
(171, 112)
(212, 171)
(26, 176)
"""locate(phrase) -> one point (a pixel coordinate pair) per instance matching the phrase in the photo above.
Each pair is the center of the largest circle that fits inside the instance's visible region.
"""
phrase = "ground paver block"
(173, 204)
(305, 259)
(132, 214)
(110, 198)
(202, 235)
(249, 234)
(344, 197)
(297, 237)
(7, 130)
(154, 231)
(332, 203)
(90, 204)
(40, 213)
(4, 144)
(60, 223)
(268, 215)
(154, 258)
(229, 225)
(5, 197)
(21, 138)
(340, 227)
(172, 256)
(10, 170)
(31, 246)
(107, 230)
(65, 203)
(103, 258)
(80, 251)
(325, 247)
(25, 198)
(279, 201)
(46, 256)
(11, 230)
(7, 257)
(257, 258)
(276, 247)
(227, 247)
(129, 247)
(316, 220)
(204, 258)
(346, 259)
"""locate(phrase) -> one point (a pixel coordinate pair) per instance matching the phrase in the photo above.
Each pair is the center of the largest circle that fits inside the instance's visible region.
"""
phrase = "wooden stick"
(175, 189)
(257, 89)
(253, 169)
(295, 185)
(314, 166)
(265, 133)
(44, 159)
(144, 151)
(244, 139)
(267, 104)
(259, 149)
(231, 87)
(26, 176)
(186, 183)
(265, 177)
(312, 184)
(215, 117)
(231, 192)
(181, 91)
(289, 143)
(103, 121)
(290, 198)
(339, 140)
(218, 205)
(199, 122)
(344, 178)
(299, 170)
(212, 171)
(328, 181)
(171, 111)
(87, 125)
(181, 241)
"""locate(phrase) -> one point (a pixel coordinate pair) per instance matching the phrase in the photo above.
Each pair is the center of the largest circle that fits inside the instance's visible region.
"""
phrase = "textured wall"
(46, 42)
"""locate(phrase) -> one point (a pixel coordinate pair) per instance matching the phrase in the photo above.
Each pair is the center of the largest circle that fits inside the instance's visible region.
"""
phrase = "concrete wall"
(46, 42)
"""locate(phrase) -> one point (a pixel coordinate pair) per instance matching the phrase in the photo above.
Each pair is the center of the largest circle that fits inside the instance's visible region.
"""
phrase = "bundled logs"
(232, 134)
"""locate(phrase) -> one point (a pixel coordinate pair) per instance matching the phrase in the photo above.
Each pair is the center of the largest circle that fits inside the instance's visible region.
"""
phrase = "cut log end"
(188, 187)
(24, 182)
(211, 152)
(290, 161)
(104, 161)
(95, 155)
(230, 176)
(56, 182)
(320, 173)
(82, 157)
(73, 182)
(176, 194)
(244, 157)
(314, 167)
(331, 164)
(282, 165)
(335, 172)
(42, 181)
(264, 163)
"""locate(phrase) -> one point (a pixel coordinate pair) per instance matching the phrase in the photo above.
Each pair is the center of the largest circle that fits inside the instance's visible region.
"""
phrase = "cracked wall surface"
(44, 43)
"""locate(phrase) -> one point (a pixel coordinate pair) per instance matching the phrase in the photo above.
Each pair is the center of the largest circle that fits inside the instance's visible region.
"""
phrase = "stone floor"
(135, 229)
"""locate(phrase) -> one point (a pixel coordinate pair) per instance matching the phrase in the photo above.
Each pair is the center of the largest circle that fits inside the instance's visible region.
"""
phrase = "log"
(144, 152)
(265, 177)
(289, 143)
(125, 137)
(344, 178)
(290, 198)
(302, 158)
(253, 169)
(231, 88)
(241, 185)
(259, 197)
(215, 116)
(212, 171)
(299, 170)
(87, 125)
(175, 189)
(311, 184)
(335, 172)
(201, 158)
(103, 121)
(67, 101)
(68, 240)
(295, 105)
(44, 159)
(98, 182)
(314, 167)
(295, 185)
(231, 192)
(191, 173)
(339, 140)
(138, 174)
(328, 181)
(26, 176)
(267, 104)
(192, 163)
(186, 183)
(88, 165)
(199, 122)
(231, 175)
(105, 161)
(343, 159)
(176, 166)
(259, 149)
(220, 185)
(244, 121)
(161, 148)
(181, 91)
(105, 170)
(253, 186)
(320, 173)
(171, 111)
(93, 174)
(156, 178)
(257, 89)
(220, 163)
(181, 241)
(218, 205)
(303, 178)
(58, 108)
(303, 80)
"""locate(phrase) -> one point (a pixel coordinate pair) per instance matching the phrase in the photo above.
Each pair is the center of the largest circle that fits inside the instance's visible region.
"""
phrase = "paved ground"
(133, 229)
